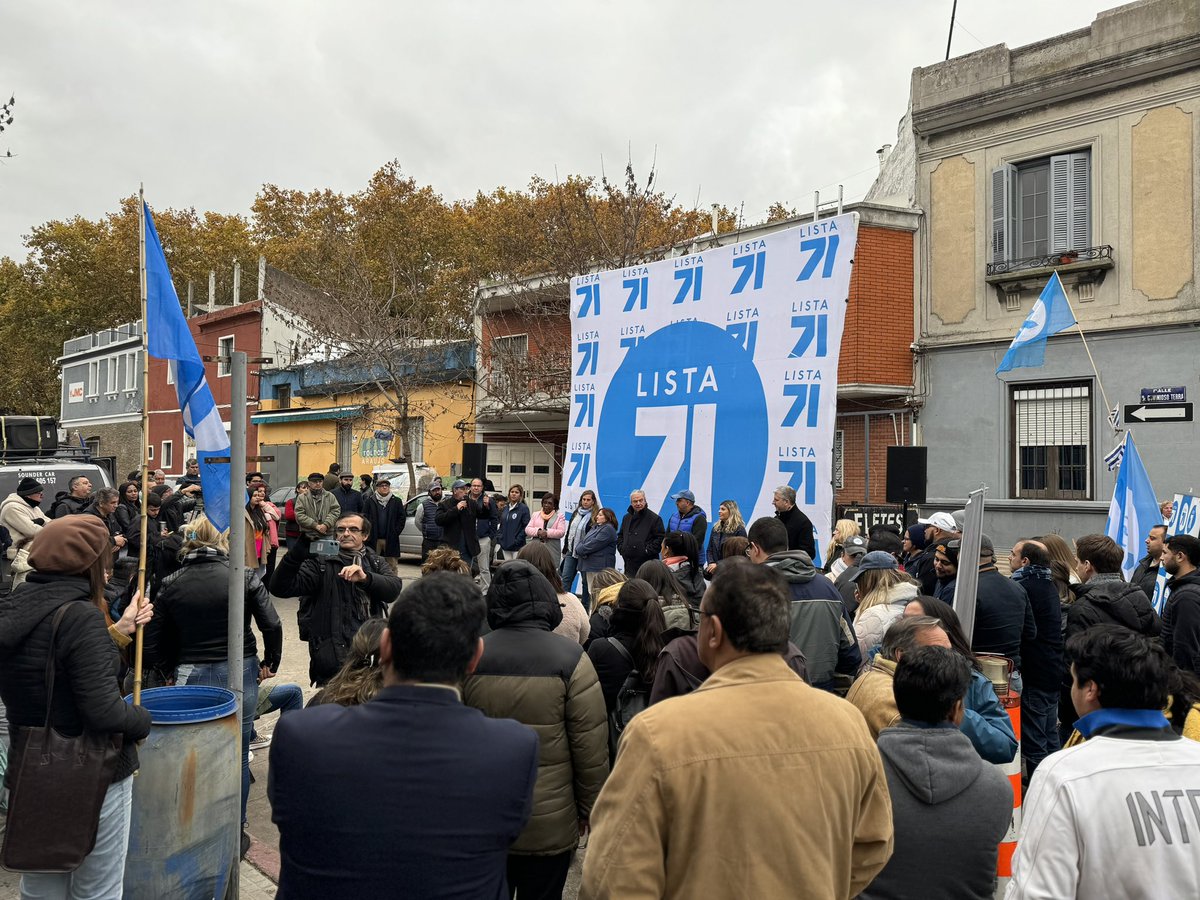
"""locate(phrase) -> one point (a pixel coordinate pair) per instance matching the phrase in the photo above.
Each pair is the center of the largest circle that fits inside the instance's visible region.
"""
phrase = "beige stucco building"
(1075, 154)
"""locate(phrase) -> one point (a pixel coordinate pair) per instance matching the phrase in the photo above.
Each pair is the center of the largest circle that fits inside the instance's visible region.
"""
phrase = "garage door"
(525, 464)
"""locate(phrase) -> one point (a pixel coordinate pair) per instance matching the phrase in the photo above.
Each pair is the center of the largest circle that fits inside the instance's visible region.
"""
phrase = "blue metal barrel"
(184, 839)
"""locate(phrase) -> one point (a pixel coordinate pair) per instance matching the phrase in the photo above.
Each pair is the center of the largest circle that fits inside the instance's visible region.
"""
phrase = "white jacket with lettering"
(1114, 817)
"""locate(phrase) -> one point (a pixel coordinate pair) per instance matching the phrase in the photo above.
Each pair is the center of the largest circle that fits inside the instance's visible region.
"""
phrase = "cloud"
(746, 103)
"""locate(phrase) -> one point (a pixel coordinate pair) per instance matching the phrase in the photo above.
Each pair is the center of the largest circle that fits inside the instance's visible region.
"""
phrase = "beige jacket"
(872, 694)
(755, 785)
(18, 517)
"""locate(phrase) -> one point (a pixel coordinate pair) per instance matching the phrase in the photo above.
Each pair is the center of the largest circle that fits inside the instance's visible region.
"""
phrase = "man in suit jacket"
(412, 793)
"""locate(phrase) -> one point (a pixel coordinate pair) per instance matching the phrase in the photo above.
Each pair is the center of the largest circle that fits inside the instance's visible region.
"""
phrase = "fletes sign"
(714, 372)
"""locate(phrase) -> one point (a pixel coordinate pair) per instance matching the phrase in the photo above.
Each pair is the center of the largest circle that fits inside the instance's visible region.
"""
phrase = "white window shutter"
(1070, 202)
(1004, 212)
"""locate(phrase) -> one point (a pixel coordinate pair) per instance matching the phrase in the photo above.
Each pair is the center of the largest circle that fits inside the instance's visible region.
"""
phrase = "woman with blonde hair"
(445, 559)
(361, 675)
(729, 524)
(843, 530)
(883, 591)
(608, 584)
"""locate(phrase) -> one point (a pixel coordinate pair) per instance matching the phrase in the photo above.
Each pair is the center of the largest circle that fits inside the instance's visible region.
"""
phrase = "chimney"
(212, 289)
(883, 153)
(237, 282)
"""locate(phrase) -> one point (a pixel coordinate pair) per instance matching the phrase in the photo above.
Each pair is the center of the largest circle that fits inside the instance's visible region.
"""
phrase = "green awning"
(305, 415)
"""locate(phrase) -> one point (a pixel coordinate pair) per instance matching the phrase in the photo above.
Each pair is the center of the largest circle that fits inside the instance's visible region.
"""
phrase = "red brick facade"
(244, 323)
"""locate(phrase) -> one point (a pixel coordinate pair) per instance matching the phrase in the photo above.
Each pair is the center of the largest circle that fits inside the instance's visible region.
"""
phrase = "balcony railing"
(1053, 260)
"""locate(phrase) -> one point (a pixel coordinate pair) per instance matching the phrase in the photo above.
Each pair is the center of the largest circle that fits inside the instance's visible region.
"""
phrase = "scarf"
(1042, 572)
(1135, 718)
(203, 553)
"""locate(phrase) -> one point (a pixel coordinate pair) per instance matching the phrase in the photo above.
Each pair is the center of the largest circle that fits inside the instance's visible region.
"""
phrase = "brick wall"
(855, 465)
(879, 317)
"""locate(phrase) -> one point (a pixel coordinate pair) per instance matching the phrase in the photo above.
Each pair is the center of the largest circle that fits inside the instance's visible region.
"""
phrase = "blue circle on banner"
(687, 403)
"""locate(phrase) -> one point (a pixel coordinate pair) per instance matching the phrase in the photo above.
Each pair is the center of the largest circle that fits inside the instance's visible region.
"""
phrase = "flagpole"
(1088, 351)
(141, 581)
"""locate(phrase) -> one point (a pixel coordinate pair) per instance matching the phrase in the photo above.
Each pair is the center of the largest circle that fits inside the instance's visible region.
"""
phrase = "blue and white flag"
(1113, 459)
(1050, 315)
(169, 338)
(1133, 510)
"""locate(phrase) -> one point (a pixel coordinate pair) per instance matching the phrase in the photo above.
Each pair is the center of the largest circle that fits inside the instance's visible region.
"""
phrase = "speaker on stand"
(907, 476)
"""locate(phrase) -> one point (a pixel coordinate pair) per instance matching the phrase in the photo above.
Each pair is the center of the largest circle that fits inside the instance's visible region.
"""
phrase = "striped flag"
(169, 338)
(1113, 459)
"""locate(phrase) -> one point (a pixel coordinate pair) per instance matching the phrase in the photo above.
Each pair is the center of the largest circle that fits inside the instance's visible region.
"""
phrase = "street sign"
(1164, 395)
(1159, 412)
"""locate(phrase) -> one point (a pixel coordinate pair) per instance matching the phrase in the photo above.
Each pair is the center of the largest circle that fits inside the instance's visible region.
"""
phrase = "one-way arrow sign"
(1159, 412)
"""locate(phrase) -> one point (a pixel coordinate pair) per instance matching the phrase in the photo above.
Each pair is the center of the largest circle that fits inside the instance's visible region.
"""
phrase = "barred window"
(1052, 441)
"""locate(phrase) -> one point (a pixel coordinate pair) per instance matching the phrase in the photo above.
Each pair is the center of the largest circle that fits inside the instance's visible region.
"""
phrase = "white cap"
(942, 520)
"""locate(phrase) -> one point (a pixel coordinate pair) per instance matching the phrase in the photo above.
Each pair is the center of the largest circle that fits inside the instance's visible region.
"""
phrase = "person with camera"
(341, 584)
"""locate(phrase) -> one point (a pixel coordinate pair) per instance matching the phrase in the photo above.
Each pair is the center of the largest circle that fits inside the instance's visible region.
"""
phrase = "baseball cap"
(986, 547)
(855, 546)
(876, 559)
(684, 495)
(942, 520)
(459, 483)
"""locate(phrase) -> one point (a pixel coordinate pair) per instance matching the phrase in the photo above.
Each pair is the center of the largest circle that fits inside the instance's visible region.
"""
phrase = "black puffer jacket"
(1181, 621)
(1104, 599)
(331, 608)
(86, 693)
(545, 681)
(190, 623)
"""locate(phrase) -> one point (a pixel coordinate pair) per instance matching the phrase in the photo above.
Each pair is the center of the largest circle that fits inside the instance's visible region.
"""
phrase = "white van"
(397, 474)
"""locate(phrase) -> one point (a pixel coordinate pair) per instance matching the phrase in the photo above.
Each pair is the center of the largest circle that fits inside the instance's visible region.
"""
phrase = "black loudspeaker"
(907, 469)
(28, 435)
(474, 463)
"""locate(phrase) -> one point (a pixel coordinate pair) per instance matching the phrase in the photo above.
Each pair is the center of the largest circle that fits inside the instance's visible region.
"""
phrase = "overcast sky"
(745, 102)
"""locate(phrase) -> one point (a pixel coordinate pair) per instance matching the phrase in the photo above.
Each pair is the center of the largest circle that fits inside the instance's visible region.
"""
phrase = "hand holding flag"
(1050, 315)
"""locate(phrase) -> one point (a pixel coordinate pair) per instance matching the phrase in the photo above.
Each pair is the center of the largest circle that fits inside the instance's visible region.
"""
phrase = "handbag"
(58, 784)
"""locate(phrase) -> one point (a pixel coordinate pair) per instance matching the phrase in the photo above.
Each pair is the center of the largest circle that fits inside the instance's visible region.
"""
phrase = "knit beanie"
(29, 486)
(916, 534)
(69, 546)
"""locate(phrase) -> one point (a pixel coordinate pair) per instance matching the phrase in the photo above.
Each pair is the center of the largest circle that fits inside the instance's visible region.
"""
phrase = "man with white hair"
(641, 534)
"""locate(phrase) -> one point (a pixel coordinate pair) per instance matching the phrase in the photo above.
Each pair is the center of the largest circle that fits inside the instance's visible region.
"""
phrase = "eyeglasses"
(347, 529)
(750, 549)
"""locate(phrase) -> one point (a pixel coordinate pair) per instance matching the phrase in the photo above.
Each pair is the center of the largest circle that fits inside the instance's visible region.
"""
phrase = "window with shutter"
(1042, 206)
(1051, 441)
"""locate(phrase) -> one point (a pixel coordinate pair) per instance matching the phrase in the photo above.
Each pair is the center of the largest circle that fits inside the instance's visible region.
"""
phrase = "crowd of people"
(708, 708)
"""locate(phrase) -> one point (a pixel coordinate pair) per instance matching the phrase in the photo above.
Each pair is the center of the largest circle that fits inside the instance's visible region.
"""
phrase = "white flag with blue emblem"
(1050, 315)
(169, 338)
(1134, 509)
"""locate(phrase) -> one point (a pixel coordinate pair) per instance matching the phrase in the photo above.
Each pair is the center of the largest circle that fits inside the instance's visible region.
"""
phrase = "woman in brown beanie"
(69, 558)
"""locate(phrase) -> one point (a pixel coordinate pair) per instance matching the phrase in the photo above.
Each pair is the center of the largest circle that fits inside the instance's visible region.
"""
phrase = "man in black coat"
(337, 593)
(799, 526)
(350, 500)
(1003, 616)
(1181, 617)
(385, 511)
(449, 812)
(1041, 655)
(641, 534)
(458, 516)
(79, 495)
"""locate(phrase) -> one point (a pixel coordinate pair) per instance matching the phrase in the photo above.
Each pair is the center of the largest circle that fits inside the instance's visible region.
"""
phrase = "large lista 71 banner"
(714, 372)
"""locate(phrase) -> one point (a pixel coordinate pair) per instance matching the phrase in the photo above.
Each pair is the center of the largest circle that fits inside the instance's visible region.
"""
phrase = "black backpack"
(632, 698)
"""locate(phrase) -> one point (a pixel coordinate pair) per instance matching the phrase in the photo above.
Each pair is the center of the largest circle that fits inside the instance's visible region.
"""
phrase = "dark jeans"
(538, 877)
(1039, 726)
